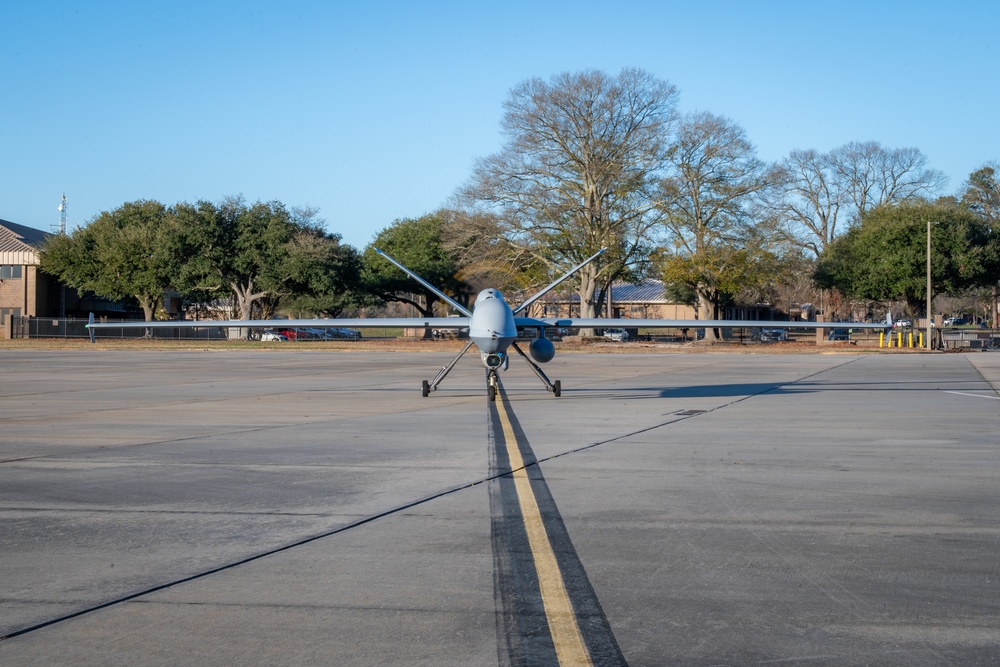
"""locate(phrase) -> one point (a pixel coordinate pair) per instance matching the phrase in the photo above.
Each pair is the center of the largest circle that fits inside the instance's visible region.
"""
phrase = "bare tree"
(577, 173)
(872, 175)
(722, 238)
(982, 196)
(821, 189)
(811, 200)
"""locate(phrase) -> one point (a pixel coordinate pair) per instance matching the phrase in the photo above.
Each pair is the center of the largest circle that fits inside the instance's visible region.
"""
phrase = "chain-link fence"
(47, 327)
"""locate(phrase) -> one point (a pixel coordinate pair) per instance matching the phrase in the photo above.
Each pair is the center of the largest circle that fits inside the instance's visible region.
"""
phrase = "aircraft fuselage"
(492, 326)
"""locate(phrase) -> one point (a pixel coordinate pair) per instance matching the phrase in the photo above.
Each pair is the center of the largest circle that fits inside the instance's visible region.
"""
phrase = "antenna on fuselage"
(564, 277)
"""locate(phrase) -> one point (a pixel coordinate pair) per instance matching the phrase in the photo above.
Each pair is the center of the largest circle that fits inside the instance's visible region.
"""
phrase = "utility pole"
(928, 284)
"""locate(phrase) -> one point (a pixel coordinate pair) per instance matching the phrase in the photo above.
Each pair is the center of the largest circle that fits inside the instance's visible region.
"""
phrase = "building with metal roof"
(645, 299)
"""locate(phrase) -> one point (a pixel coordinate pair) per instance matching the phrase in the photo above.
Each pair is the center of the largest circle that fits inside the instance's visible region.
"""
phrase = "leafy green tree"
(720, 238)
(982, 195)
(885, 256)
(721, 273)
(258, 237)
(324, 275)
(578, 172)
(127, 252)
(199, 240)
(240, 250)
(417, 244)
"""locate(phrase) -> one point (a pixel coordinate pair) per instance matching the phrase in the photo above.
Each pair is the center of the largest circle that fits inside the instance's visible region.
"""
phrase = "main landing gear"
(492, 380)
(427, 387)
(554, 387)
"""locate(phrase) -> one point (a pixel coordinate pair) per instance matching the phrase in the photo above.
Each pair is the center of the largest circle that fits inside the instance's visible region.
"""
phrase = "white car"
(619, 335)
(270, 336)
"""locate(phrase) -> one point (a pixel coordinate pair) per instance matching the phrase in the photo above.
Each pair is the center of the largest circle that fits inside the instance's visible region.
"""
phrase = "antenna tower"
(62, 230)
(62, 215)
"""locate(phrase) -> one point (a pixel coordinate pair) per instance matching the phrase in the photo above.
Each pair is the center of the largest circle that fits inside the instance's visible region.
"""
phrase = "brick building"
(24, 290)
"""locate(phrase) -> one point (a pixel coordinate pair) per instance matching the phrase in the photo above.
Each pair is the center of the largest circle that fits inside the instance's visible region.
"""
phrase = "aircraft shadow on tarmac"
(733, 390)
(728, 390)
(690, 391)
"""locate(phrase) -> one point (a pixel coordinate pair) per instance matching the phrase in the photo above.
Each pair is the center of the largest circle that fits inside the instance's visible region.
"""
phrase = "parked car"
(773, 335)
(340, 332)
(954, 321)
(312, 334)
(839, 334)
(272, 336)
(619, 335)
(902, 324)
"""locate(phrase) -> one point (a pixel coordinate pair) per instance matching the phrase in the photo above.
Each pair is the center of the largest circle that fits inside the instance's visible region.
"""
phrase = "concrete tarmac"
(300, 507)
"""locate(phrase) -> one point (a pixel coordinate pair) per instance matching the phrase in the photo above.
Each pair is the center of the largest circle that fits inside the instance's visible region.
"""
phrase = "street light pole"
(928, 284)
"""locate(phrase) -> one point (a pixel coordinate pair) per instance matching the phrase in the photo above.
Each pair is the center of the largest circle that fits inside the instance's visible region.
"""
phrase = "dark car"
(773, 335)
(839, 334)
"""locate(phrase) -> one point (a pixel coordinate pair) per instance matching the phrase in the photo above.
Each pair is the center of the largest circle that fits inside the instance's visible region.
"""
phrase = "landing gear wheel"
(491, 386)
(557, 388)
(425, 389)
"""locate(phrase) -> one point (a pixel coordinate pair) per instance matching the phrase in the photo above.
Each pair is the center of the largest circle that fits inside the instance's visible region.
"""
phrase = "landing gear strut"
(554, 387)
(427, 387)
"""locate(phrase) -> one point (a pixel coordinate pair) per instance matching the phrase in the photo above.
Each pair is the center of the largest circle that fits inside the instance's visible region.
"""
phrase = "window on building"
(8, 312)
(9, 272)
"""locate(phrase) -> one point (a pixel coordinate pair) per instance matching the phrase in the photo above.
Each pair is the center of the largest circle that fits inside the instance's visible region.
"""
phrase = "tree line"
(258, 258)
(589, 161)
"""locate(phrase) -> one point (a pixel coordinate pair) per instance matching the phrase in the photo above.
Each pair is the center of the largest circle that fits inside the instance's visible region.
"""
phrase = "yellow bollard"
(920, 339)
(909, 339)
(881, 338)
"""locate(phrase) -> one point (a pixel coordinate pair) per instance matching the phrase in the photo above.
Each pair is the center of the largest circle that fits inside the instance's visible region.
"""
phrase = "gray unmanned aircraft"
(493, 328)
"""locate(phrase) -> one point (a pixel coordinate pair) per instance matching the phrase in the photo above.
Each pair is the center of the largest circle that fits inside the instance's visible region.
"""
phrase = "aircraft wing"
(631, 323)
(355, 323)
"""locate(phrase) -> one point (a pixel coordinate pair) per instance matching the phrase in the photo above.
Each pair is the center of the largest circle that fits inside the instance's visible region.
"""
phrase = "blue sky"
(373, 111)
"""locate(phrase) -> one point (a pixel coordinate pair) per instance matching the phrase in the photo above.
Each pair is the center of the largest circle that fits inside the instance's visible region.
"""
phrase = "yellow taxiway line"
(565, 631)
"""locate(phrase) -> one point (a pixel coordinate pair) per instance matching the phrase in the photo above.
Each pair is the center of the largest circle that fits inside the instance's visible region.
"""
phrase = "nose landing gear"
(491, 385)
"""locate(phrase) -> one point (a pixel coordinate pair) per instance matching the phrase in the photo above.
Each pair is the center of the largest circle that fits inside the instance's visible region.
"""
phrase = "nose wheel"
(491, 386)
